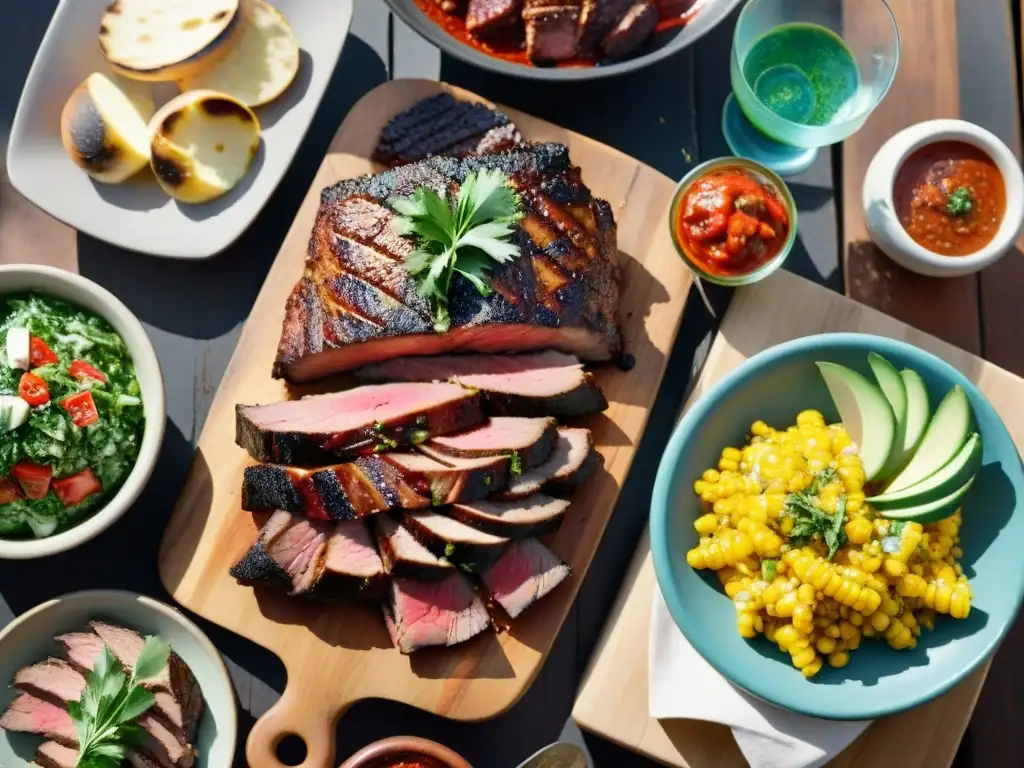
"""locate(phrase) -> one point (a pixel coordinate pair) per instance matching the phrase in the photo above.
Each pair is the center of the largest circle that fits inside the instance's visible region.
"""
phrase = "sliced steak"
(54, 680)
(345, 425)
(289, 553)
(356, 304)
(28, 714)
(525, 573)
(598, 19)
(519, 519)
(531, 384)
(353, 569)
(404, 557)
(444, 482)
(50, 754)
(423, 613)
(446, 537)
(632, 30)
(552, 33)
(528, 442)
(572, 461)
(178, 699)
(444, 125)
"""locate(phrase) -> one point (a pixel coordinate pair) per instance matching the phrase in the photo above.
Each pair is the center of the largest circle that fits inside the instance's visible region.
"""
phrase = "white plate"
(137, 214)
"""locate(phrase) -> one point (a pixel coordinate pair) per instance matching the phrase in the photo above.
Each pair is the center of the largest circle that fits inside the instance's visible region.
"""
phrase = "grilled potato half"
(105, 127)
(169, 40)
(262, 64)
(202, 144)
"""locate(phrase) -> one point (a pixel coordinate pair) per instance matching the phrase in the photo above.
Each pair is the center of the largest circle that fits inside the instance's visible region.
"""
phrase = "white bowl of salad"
(82, 410)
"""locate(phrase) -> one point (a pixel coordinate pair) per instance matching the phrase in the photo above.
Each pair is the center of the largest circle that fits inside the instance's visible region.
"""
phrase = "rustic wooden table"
(958, 58)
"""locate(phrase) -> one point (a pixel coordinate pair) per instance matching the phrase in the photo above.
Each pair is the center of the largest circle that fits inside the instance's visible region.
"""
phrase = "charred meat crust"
(584, 400)
(562, 293)
(311, 449)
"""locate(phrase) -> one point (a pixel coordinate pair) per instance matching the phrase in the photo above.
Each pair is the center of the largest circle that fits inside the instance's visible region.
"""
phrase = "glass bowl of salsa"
(944, 198)
(733, 221)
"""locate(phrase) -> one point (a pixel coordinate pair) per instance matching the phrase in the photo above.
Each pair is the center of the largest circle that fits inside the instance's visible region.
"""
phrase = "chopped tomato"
(40, 353)
(82, 409)
(9, 491)
(73, 490)
(34, 479)
(33, 390)
(81, 370)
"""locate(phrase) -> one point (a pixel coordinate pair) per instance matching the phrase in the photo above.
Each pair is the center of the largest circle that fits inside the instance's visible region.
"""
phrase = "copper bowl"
(409, 747)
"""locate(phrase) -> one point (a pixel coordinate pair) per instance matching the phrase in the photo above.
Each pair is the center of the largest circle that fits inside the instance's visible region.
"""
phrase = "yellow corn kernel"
(803, 619)
(812, 669)
(825, 645)
(803, 656)
(706, 524)
(912, 585)
(745, 625)
(786, 635)
(805, 594)
(786, 604)
(899, 636)
(711, 475)
(760, 429)
(810, 418)
(855, 502)
(833, 631)
(767, 542)
(856, 619)
(893, 568)
(728, 547)
(879, 620)
(858, 530)
(838, 659)
(733, 454)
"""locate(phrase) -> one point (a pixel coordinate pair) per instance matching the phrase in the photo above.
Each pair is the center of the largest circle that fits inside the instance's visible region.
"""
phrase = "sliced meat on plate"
(444, 125)
(525, 573)
(404, 557)
(54, 679)
(323, 429)
(446, 537)
(528, 442)
(632, 30)
(531, 384)
(288, 554)
(401, 480)
(567, 236)
(353, 569)
(533, 516)
(572, 461)
(178, 697)
(424, 613)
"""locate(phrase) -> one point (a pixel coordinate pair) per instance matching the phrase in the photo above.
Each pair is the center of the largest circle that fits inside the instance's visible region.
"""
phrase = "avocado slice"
(958, 471)
(865, 413)
(919, 413)
(933, 510)
(891, 383)
(945, 436)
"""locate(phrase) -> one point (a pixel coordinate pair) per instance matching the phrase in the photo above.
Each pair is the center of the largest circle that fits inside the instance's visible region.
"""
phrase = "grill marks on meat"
(313, 559)
(341, 426)
(525, 573)
(530, 385)
(444, 125)
(572, 461)
(571, 307)
(424, 613)
(178, 699)
(531, 439)
(533, 516)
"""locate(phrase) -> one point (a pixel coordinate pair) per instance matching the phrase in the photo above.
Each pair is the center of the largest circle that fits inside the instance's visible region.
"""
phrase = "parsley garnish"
(449, 549)
(515, 463)
(419, 436)
(386, 441)
(467, 235)
(960, 202)
(810, 520)
(111, 701)
(896, 527)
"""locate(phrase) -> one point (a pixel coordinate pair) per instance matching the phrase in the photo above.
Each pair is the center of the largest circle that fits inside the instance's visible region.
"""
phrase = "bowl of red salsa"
(405, 752)
(733, 221)
(944, 198)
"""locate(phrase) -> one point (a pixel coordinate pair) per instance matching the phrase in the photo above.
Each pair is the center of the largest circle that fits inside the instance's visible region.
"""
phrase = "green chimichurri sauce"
(108, 447)
(802, 72)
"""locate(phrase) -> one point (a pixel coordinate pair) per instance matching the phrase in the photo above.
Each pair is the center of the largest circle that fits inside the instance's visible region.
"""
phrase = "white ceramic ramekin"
(85, 293)
(880, 212)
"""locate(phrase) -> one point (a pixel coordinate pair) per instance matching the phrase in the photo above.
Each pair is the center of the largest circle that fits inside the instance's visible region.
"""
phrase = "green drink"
(802, 72)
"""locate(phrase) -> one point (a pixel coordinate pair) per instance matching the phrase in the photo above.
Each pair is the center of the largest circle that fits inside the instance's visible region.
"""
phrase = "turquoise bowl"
(29, 639)
(774, 386)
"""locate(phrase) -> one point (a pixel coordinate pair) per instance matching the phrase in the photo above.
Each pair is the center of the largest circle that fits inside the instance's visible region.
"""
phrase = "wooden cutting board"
(613, 698)
(335, 656)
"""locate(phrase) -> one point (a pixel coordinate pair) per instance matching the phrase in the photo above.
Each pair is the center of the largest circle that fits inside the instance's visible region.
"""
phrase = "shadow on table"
(361, 629)
(206, 299)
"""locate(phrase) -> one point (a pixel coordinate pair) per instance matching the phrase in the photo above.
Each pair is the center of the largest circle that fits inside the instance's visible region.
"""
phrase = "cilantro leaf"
(811, 521)
(468, 235)
(960, 202)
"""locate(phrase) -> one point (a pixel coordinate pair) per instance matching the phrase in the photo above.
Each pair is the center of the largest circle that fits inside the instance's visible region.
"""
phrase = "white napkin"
(682, 685)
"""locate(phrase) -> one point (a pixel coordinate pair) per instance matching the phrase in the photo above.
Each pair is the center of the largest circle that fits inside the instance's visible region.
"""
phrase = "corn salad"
(807, 563)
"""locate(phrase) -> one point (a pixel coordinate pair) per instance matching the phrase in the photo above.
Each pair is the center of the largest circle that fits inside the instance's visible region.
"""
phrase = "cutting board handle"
(295, 715)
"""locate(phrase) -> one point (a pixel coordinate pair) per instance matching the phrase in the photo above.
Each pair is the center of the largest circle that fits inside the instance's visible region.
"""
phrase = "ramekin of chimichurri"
(72, 410)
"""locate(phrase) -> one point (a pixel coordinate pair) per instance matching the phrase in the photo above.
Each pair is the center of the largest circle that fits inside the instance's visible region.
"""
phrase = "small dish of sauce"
(730, 222)
(950, 198)
(407, 760)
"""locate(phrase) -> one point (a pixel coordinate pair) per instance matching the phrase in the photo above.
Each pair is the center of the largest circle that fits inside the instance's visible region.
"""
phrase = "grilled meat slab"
(345, 425)
(525, 573)
(352, 567)
(468, 547)
(404, 557)
(424, 613)
(370, 485)
(531, 439)
(531, 384)
(572, 461)
(356, 305)
(533, 516)
(444, 125)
